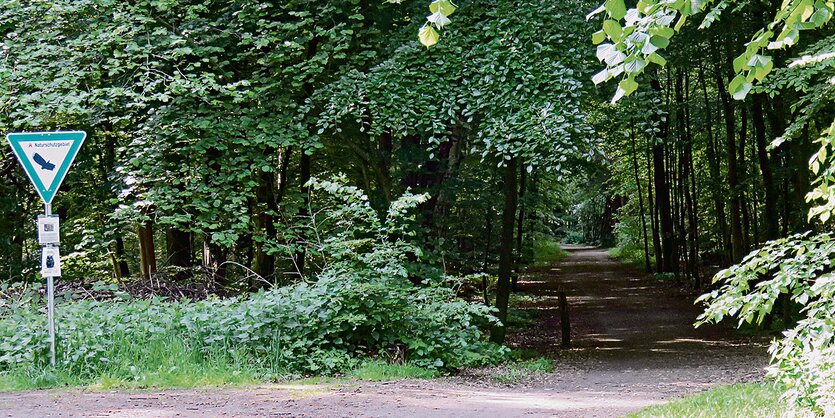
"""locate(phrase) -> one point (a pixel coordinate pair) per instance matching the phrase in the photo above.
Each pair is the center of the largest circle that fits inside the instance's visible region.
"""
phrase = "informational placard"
(49, 231)
(50, 262)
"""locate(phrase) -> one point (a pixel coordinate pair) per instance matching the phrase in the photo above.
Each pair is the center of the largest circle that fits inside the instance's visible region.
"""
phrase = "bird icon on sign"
(45, 165)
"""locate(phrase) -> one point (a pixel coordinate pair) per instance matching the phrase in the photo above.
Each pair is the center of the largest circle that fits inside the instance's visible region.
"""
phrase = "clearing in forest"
(634, 346)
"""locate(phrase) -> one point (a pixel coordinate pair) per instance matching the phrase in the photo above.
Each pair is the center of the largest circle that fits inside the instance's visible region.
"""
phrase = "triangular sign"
(46, 157)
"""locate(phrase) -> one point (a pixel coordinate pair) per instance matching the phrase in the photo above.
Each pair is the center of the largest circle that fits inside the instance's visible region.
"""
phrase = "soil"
(633, 342)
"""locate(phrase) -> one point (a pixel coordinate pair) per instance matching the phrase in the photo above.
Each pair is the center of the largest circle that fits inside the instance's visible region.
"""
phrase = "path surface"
(634, 346)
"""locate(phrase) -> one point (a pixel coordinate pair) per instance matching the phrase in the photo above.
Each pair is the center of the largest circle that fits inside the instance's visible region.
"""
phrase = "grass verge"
(744, 400)
(547, 252)
(192, 372)
(524, 371)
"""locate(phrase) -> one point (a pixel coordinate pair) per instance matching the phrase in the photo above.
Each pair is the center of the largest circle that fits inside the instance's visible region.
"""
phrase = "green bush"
(798, 267)
(361, 304)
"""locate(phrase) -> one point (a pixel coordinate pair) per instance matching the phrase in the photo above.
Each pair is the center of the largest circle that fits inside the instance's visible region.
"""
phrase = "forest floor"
(634, 345)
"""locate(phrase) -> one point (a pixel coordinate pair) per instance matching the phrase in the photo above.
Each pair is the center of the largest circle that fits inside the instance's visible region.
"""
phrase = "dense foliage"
(791, 274)
(361, 303)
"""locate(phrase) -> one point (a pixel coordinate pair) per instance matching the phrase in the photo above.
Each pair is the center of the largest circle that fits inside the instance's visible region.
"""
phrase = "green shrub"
(799, 268)
(361, 303)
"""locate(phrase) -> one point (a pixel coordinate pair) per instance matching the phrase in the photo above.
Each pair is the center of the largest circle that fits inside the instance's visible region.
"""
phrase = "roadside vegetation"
(273, 190)
(754, 400)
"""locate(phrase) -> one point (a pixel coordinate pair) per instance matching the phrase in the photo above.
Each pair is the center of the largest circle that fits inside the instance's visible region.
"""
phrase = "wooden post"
(564, 322)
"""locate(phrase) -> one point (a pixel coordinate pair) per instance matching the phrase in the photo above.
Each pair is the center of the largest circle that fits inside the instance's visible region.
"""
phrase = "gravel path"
(634, 346)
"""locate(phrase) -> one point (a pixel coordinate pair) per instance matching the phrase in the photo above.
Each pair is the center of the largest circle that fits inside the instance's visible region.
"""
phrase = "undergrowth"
(361, 305)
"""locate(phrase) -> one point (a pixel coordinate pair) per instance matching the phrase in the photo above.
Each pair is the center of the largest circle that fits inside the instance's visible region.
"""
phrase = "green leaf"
(739, 87)
(659, 41)
(616, 8)
(613, 29)
(598, 37)
(428, 36)
(629, 85)
(444, 7)
(626, 87)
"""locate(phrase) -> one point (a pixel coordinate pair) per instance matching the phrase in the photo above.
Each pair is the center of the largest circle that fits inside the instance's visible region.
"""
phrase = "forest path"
(634, 345)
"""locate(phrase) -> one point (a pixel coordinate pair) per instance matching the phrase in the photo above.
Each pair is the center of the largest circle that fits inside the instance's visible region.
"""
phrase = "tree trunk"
(147, 250)
(771, 209)
(506, 250)
(270, 193)
(714, 167)
(121, 261)
(214, 259)
(662, 193)
(304, 212)
(180, 252)
(742, 172)
(647, 265)
(653, 212)
(733, 179)
(520, 223)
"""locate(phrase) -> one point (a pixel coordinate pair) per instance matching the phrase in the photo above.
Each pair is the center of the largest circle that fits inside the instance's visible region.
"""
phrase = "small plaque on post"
(48, 230)
(51, 262)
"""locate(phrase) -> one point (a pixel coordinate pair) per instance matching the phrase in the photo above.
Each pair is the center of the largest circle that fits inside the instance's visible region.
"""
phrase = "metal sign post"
(46, 157)
(50, 300)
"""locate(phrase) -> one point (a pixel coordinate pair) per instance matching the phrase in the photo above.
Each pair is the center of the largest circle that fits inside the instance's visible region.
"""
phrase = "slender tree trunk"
(270, 193)
(520, 222)
(214, 259)
(180, 252)
(691, 195)
(506, 250)
(662, 193)
(653, 212)
(733, 179)
(488, 242)
(304, 212)
(121, 260)
(742, 171)
(647, 265)
(770, 211)
(715, 174)
(147, 250)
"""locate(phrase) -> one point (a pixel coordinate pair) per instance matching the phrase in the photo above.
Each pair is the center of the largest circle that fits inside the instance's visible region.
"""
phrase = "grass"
(630, 256)
(163, 363)
(377, 371)
(744, 400)
(547, 252)
(523, 371)
(183, 370)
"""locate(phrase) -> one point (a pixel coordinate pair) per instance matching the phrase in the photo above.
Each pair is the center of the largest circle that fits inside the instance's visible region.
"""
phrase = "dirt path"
(634, 346)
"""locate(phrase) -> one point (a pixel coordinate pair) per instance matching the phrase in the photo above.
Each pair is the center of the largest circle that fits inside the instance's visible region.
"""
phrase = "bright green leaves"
(660, 20)
(615, 8)
(441, 10)
(739, 87)
(823, 165)
(613, 30)
(636, 37)
(626, 87)
(428, 35)
(444, 7)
